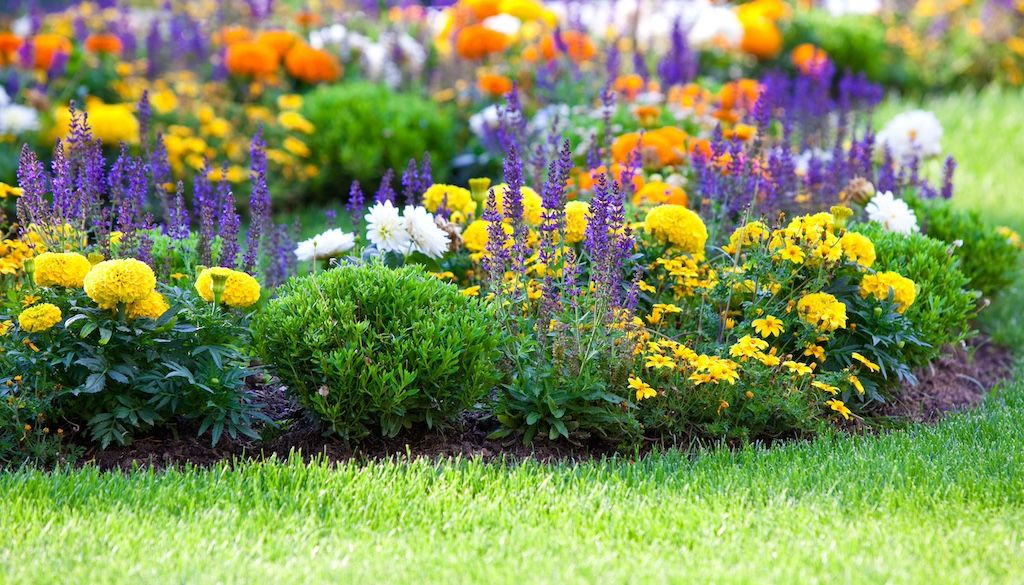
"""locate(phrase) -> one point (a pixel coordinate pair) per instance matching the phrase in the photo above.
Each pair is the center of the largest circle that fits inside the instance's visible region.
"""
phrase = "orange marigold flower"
(629, 85)
(311, 65)
(251, 59)
(658, 192)
(230, 35)
(808, 58)
(761, 36)
(493, 84)
(482, 9)
(576, 44)
(9, 45)
(279, 40)
(476, 42)
(46, 47)
(655, 149)
(104, 44)
(741, 93)
(307, 18)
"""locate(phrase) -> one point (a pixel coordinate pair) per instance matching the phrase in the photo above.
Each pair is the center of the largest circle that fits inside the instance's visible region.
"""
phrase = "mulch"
(957, 381)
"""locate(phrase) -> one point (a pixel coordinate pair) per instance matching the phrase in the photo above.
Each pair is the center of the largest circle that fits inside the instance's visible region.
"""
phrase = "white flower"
(715, 26)
(894, 214)
(386, 229)
(330, 244)
(506, 24)
(841, 7)
(424, 235)
(912, 134)
(16, 119)
(486, 121)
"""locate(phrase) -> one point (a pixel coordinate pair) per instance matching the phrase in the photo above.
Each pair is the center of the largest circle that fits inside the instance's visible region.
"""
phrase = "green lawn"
(929, 504)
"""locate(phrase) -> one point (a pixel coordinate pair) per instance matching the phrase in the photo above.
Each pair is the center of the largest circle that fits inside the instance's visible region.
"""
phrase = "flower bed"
(637, 262)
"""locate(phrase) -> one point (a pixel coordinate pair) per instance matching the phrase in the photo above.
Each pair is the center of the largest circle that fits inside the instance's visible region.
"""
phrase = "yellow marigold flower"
(826, 387)
(151, 307)
(643, 390)
(474, 237)
(870, 365)
(748, 347)
(240, 289)
(111, 123)
(815, 351)
(296, 147)
(659, 361)
(768, 326)
(838, 406)
(1012, 237)
(797, 368)
(9, 191)
(792, 253)
(577, 214)
(454, 199)
(289, 101)
(295, 121)
(39, 318)
(678, 227)
(855, 382)
(29, 300)
(532, 207)
(113, 282)
(746, 236)
(5, 327)
(66, 269)
(858, 249)
(471, 291)
(884, 284)
(822, 311)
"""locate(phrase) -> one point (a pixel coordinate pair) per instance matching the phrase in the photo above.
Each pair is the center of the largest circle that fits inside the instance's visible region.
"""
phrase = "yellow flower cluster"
(746, 236)
(13, 254)
(577, 214)
(822, 311)
(115, 282)
(65, 269)
(240, 289)
(703, 369)
(39, 318)
(882, 284)
(678, 227)
(111, 123)
(684, 274)
(153, 306)
(457, 200)
(532, 207)
(858, 249)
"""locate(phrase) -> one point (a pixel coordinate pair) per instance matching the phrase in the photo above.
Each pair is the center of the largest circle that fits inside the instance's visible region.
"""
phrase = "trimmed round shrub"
(945, 302)
(986, 257)
(362, 129)
(366, 347)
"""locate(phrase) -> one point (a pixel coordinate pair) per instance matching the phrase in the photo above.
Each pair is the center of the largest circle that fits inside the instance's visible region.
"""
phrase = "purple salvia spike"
(385, 192)
(259, 202)
(947, 177)
(355, 204)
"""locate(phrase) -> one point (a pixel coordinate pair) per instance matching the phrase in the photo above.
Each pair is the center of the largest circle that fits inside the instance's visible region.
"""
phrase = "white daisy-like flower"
(841, 7)
(894, 214)
(424, 234)
(715, 26)
(385, 228)
(912, 134)
(330, 244)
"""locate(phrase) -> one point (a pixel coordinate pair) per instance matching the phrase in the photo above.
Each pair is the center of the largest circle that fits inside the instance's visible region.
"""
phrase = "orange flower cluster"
(281, 41)
(251, 59)
(9, 45)
(475, 42)
(577, 45)
(46, 47)
(761, 35)
(311, 65)
(493, 84)
(104, 44)
(657, 148)
(808, 58)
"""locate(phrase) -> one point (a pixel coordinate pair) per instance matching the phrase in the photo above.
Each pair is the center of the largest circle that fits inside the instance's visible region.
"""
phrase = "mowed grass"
(927, 504)
(936, 504)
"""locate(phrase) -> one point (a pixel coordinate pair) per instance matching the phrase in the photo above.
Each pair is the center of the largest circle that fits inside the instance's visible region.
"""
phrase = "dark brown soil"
(959, 380)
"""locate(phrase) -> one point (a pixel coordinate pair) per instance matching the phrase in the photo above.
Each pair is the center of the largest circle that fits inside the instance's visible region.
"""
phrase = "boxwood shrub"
(945, 302)
(986, 257)
(366, 347)
(364, 129)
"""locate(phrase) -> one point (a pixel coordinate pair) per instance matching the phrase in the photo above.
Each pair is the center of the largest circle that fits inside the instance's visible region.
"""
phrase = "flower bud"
(859, 190)
(478, 189)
